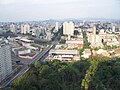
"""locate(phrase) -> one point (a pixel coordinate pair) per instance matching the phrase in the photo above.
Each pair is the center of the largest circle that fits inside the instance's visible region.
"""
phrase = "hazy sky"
(27, 10)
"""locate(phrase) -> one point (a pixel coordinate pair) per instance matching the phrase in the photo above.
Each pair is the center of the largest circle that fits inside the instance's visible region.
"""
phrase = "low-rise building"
(64, 55)
(117, 52)
(86, 53)
(24, 52)
(103, 52)
(74, 44)
(26, 42)
(21, 50)
(28, 56)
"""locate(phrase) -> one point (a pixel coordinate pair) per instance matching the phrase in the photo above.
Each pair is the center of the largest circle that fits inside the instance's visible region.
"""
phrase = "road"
(27, 68)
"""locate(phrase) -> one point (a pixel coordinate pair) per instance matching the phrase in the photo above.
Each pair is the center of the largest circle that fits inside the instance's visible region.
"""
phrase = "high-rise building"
(22, 28)
(65, 25)
(113, 28)
(5, 61)
(68, 28)
(37, 33)
(94, 30)
(25, 29)
(94, 39)
(56, 27)
(13, 28)
(48, 35)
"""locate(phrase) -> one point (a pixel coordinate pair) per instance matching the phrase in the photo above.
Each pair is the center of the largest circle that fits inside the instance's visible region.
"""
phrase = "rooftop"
(26, 40)
(64, 51)
(87, 51)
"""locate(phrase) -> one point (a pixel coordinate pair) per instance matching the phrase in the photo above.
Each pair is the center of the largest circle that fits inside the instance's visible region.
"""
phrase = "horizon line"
(42, 20)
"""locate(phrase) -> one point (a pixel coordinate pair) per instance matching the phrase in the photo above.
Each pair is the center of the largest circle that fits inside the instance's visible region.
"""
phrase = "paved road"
(27, 68)
(40, 56)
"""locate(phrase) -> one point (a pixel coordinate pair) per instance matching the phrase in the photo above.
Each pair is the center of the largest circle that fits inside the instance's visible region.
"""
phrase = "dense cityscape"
(24, 44)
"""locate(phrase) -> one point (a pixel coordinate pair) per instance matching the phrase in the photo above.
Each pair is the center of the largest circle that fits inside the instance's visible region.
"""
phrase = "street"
(27, 68)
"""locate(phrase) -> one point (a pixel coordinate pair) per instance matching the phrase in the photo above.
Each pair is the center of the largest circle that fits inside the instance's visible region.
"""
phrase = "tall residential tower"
(13, 28)
(68, 28)
(25, 28)
(5, 61)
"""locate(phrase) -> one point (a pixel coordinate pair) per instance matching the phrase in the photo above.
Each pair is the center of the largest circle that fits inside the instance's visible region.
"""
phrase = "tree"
(98, 74)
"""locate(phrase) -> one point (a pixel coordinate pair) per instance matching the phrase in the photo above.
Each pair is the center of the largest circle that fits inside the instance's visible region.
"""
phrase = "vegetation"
(107, 76)
(81, 52)
(110, 47)
(62, 41)
(86, 43)
(53, 76)
(44, 43)
(88, 76)
(98, 73)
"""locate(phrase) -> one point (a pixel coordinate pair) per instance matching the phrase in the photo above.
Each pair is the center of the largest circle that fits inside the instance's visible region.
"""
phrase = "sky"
(29, 10)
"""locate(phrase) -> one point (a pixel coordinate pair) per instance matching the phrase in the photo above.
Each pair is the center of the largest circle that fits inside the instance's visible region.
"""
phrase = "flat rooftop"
(73, 52)
(26, 40)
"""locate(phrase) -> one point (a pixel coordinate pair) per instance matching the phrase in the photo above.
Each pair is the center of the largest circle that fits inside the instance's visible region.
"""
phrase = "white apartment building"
(25, 28)
(49, 35)
(22, 28)
(13, 28)
(68, 28)
(113, 28)
(56, 27)
(95, 39)
(5, 61)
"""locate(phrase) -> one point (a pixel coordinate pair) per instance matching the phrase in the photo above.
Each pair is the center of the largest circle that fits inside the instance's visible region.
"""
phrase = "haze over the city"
(28, 10)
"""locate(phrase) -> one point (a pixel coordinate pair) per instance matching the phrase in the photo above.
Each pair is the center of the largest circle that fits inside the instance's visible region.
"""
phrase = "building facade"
(5, 62)
(64, 55)
(13, 28)
(74, 44)
(68, 28)
(25, 29)
(56, 27)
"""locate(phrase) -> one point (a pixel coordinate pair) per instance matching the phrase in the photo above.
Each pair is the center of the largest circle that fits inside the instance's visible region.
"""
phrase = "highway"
(27, 68)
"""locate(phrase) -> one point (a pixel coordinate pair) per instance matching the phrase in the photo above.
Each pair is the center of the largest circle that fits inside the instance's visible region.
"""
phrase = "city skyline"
(27, 10)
